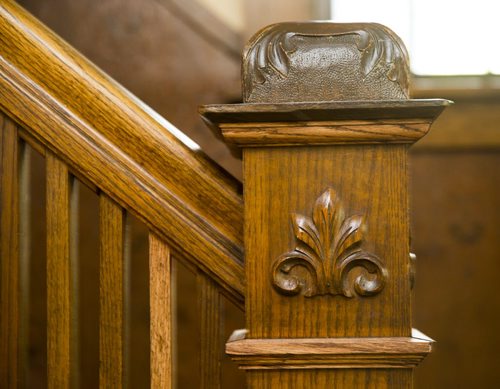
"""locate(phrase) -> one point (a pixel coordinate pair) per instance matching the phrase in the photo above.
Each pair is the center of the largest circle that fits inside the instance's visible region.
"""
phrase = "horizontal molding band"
(329, 353)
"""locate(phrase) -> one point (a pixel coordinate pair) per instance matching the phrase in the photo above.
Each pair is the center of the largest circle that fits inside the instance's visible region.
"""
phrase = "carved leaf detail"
(327, 250)
(271, 52)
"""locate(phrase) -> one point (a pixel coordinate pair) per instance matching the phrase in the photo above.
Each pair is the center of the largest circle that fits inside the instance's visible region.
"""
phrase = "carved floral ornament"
(327, 250)
(269, 53)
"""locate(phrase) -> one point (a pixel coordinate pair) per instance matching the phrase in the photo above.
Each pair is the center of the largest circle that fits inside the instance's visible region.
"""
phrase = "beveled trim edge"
(328, 353)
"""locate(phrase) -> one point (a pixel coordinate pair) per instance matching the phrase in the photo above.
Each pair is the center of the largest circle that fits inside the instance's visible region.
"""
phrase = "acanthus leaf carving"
(379, 46)
(328, 248)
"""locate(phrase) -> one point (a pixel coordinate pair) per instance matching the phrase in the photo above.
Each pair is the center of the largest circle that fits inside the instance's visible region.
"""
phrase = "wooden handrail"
(111, 139)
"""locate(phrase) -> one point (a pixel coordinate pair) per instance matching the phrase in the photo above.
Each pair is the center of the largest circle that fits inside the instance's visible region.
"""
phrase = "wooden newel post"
(325, 130)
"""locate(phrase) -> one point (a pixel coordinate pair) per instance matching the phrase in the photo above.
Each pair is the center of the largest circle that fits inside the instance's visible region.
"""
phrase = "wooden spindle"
(9, 254)
(111, 285)
(160, 313)
(210, 308)
(75, 296)
(25, 250)
(58, 274)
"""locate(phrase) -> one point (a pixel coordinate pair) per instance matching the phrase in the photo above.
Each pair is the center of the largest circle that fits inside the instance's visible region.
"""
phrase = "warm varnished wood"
(291, 185)
(324, 378)
(160, 295)
(339, 122)
(9, 255)
(210, 306)
(122, 147)
(325, 353)
(314, 133)
(326, 205)
(455, 210)
(59, 309)
(111, 290)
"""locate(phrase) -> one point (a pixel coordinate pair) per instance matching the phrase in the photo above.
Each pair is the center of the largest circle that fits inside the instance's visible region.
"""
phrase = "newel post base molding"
(324, 133)
(328, 353)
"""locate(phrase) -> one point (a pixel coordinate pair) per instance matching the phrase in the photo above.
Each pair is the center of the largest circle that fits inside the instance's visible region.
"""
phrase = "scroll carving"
(269, 55)
(328, 248)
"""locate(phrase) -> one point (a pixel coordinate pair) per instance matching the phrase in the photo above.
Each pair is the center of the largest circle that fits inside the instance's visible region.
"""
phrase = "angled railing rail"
(111, 139)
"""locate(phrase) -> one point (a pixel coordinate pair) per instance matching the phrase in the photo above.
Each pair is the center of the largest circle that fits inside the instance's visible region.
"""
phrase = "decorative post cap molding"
(320, 83)
(324, 61)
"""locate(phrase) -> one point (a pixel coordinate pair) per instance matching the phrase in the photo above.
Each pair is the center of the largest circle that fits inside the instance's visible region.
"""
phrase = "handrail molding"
(110, 139)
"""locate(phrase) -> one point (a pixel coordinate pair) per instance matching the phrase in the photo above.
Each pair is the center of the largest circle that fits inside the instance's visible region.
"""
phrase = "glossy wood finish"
(201, 61)
(130, 164)
(326, 211)
(321, 123)
(210, 306)
(9, 254)
(111, 290)
(292, 184)
(59, 309)
(328, 353)
(160, 292)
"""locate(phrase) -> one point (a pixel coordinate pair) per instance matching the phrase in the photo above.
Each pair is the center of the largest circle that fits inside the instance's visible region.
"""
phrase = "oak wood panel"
(143, 165)
(285, 181)
(59, 310)
(210, 306)
(456, 236)
(111, 290)
(471, 122)
(160, 293)
(9, 254)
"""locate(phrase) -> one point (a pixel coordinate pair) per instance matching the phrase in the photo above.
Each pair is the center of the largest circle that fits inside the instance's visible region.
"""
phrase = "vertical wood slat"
(111, 286)
(9, 251)
(58, 274)
(25, 220)
(210, 308)
(160, 313)
(75, 300)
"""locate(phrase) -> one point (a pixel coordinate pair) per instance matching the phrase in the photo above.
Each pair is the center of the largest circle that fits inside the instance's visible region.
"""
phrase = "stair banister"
(324, 131)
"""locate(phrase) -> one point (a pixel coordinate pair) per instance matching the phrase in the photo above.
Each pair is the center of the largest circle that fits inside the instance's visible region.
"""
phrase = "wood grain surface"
(211, 321)
(9, 254)
(111, 290)
(59, 309)
(160, 294)
(327, 353)
(372, 182)
(122, 147)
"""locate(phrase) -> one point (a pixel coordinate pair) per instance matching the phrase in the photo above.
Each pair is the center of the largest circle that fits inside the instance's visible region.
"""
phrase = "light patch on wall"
(443, 37)
(228, 11)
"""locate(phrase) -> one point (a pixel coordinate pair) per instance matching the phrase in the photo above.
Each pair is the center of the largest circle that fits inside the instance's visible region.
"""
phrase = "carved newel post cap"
(324, 61)
(321, 83)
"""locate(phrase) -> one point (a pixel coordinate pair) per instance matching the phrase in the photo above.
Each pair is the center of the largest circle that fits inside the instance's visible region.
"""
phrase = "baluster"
(59, 309)
(210, 306)
(161, 313)
(111, 291)
(25, 210)
(9, 254)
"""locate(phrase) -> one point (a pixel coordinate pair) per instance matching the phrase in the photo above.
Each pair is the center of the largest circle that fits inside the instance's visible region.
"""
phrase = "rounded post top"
(324, 61)
(323, 83)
